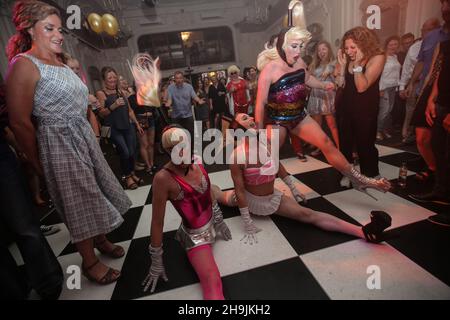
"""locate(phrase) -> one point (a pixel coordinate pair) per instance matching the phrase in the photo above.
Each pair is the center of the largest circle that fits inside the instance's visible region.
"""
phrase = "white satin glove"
(156, 269)
(250, 229)
(219, 225)
(298, 196)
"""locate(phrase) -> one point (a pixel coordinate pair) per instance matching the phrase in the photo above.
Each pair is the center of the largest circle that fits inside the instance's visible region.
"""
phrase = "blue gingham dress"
(80, 182)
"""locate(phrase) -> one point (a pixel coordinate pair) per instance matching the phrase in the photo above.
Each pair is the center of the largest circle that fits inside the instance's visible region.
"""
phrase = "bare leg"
(35, 187)
(289, 208)
(331, 122)
(143, 149)
(296, 143)
(424, 145)
(317, 118)
(223, 197)
(310, 131)
(282, 132)
(202, 260)
(86, 250)
(151, 146)
(105, 244)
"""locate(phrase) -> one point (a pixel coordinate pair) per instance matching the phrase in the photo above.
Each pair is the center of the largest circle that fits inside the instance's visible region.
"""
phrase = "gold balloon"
(95, 22)
(110, 24)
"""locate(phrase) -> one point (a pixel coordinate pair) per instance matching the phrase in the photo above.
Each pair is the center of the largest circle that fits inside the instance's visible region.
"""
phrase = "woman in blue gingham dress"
(63, 146)
(80, 182)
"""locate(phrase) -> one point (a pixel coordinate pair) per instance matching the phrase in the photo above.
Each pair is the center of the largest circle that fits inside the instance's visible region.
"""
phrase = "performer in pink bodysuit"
(186, 185)
(188, 188)
(255, 192)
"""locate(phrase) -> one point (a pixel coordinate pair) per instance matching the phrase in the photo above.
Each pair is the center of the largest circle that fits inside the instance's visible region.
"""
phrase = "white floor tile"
(14, 250)
(89, 290)
(390, 172)
(387, 151)
(191, 292)
(295, 166)
(57, 242)
(235, 256)
(303, 188)
(222, 179)
(358, 206)
(138, 196)
(172, 221)
(342, 271)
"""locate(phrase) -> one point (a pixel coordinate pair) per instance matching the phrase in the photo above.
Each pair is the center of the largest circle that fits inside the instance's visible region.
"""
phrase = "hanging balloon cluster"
(106, 23)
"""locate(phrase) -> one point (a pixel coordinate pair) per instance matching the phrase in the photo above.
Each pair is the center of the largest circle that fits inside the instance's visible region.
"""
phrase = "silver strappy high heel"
(360, 182)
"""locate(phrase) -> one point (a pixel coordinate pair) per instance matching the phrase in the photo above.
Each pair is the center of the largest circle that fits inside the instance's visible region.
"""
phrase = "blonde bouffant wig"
(297, 31)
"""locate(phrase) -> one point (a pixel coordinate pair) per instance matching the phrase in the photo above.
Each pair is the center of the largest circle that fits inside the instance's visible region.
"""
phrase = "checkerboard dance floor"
(291, 260)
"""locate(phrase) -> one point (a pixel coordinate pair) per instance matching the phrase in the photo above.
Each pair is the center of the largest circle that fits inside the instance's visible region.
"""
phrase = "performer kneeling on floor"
(255, 193)
(187, 186)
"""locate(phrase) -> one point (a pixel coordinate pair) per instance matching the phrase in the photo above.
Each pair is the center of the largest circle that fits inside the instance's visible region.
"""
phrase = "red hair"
(25, 15)
(366, 40)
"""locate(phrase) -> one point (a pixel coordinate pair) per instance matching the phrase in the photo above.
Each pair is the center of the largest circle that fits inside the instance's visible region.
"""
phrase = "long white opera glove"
(156, 269)
(250, 229)
(298, 196)
(220, 225)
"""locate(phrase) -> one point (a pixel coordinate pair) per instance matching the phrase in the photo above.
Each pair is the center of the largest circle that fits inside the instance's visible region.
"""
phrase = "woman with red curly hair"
(361, 62)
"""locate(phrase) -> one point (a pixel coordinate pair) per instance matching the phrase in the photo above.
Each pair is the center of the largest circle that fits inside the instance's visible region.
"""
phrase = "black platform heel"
(379, 221)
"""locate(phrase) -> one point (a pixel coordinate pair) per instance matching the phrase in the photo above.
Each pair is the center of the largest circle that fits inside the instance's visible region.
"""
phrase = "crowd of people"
(55, 125)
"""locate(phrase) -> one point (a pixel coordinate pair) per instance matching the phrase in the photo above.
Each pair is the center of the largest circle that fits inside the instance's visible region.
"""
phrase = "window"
(189, 48)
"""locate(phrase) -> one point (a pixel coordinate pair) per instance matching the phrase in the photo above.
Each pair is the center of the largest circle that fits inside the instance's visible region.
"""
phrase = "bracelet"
(244, 211)
(157, 250)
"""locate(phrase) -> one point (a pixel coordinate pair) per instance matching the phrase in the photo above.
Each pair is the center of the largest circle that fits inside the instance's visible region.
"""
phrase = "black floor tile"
(230, 212)
(285, 280)
(124, 233)
(414, 162)
(324, 181)
(418, 187)
(51, 217)
(149, 197)
(306, 238)
(137, 263)
(426, 244)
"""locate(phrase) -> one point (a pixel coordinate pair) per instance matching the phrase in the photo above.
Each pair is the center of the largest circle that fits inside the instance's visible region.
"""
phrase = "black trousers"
(42, 269)
(187, 123)
(440, 143)
(216, 123)
(357, 131)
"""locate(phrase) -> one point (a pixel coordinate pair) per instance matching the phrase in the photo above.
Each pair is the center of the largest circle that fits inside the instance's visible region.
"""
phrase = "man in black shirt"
(438, 116)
